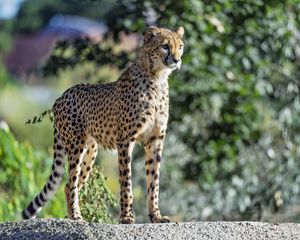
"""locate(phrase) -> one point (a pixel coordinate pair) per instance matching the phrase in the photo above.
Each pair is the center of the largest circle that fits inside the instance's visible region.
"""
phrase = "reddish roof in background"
(28, 51)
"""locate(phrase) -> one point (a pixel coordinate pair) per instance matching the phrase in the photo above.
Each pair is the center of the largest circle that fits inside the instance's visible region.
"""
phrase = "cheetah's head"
(165, 47)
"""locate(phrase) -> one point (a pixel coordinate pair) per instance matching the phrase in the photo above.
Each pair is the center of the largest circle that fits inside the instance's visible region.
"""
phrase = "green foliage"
(4, 76)
(68, 54)
(5, 36)
(260, 186)
(22, 173)
(96, 200)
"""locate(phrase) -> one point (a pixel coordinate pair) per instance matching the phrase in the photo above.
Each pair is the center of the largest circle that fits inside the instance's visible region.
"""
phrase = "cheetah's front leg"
(126, 196)
(153, 149)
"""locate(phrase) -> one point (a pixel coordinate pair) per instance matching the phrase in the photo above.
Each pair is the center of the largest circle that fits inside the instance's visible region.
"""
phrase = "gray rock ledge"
(68, 229)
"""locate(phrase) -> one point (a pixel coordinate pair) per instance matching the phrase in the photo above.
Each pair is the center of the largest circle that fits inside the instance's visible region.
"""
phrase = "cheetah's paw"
(127, 220)
(161, 219)
(77, 218)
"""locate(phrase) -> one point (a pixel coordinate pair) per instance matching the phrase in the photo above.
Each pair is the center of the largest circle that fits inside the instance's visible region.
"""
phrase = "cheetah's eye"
(180, 47)
(165, 46)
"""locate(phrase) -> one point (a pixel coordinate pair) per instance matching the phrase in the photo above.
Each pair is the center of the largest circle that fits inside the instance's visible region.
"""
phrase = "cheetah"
(116, 115)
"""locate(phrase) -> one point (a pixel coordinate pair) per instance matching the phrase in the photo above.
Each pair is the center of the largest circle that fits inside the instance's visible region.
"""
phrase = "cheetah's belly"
(103, 128)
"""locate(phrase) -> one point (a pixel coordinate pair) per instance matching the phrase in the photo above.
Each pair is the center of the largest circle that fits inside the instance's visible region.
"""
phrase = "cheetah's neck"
(145, 63)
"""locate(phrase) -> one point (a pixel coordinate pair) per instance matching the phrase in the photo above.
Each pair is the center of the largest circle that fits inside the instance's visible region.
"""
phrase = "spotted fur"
(116, 116)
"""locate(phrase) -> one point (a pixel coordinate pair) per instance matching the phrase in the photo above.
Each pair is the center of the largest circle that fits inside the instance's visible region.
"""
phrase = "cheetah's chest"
(157, 102)
(162, 105)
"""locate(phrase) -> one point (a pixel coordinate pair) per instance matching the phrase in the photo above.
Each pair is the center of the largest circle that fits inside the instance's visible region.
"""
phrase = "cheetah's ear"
(150, 33)
(180, 31)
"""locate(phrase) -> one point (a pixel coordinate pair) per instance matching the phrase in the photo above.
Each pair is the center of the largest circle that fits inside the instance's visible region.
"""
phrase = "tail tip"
(26, 215)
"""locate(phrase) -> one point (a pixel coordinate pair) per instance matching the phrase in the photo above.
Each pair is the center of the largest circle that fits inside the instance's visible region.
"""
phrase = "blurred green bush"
(23, 171)
(96, 200)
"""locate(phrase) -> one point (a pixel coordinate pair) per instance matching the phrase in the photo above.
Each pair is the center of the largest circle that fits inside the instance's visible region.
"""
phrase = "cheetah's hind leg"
(75, 156)
(88, 161)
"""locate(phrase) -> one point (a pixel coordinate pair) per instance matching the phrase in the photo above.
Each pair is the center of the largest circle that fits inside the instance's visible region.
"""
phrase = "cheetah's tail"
(39, 118)
(52, 184)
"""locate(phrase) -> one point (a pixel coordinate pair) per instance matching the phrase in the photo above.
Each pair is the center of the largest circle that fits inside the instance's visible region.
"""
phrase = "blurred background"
(231, 151)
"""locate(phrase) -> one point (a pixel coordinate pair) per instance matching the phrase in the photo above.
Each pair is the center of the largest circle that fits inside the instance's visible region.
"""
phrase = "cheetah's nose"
(175, 60)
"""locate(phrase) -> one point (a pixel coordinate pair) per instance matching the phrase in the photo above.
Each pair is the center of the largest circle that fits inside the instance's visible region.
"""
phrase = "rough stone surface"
(68, 229)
